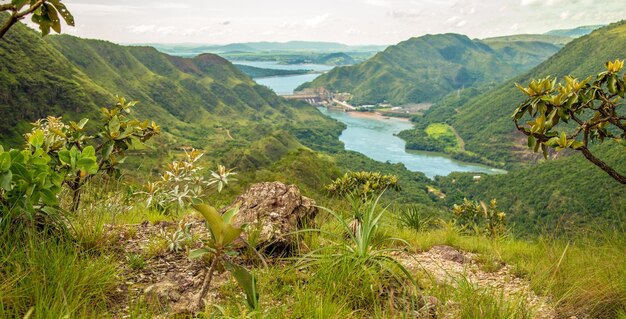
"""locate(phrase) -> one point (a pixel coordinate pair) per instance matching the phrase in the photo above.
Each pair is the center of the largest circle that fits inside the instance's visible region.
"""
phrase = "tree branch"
(17, 16)
(598, 162)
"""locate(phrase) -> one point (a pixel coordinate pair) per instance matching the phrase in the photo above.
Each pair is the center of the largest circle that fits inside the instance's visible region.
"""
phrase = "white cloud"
(172, 5)
(405, 14)
(142, 28)
(377, 3)
(317, 21)
(461, 23)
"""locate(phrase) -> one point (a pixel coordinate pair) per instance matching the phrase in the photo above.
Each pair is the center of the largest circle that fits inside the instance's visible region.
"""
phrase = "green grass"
(53, 277)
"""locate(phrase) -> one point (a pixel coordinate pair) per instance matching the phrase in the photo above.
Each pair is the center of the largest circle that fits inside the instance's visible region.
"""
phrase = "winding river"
(373, 136)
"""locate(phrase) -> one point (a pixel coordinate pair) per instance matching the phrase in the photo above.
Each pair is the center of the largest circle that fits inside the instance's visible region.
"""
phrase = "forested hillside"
(485, 122)
(427, 68)
(197, 100)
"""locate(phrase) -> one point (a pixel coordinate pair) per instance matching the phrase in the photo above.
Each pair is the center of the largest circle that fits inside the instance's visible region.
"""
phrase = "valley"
(179, 160)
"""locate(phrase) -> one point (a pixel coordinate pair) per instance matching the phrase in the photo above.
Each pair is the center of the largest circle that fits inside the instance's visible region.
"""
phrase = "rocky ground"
(446, 265)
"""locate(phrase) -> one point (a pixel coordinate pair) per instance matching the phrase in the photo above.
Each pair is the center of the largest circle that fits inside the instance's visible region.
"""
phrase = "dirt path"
(445, 264)
(458, 138)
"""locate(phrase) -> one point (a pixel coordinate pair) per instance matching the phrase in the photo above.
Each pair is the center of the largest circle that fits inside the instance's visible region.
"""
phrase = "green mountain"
(427, 68)
(196, 100)
(484, 121)
(575, 32)
(558, 40)
(338, 58)
(203, 102)
(563, 192)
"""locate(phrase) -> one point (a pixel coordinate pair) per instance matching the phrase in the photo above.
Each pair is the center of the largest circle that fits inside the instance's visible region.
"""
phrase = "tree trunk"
(598, 162)
(207, 280)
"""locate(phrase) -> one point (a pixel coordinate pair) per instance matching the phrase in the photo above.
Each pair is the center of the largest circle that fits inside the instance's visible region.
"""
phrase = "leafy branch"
(592, 106)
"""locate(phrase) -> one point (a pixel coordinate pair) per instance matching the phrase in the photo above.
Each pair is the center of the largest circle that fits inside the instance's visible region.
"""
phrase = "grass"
(53, 277)
(77, 276)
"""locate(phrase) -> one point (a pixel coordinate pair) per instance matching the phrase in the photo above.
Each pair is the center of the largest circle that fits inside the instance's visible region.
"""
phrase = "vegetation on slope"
(427, 68)
(255, 72)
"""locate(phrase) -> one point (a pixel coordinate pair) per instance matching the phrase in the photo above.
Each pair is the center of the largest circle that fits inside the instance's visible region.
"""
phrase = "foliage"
(412, 216)
(362, 184)
(73, 151)
(223, 234)
(427, 68)
(29, 186)
(182, 181)
(180, 238)
(479, 219)
(592, 106)
(46, 14)
(359, 250)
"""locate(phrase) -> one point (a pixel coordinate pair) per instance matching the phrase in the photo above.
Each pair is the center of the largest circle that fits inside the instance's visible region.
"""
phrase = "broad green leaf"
(64, 156)
(89, 151)
(246, 281)
(5, 162)
(197, 253)
(223, 233)
(87, 165)
(228, 215)
(53, 16)
(114, 125)
(36, 139)
(5, 180)
(67, 16)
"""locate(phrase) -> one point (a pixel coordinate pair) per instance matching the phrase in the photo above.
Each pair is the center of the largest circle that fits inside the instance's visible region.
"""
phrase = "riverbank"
(378, 116)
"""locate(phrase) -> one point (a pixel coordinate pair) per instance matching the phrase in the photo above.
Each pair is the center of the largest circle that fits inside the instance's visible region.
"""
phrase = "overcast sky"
(346, 21)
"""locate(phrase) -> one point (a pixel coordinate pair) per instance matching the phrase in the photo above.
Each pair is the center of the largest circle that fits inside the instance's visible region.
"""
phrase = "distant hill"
(575, 32)
(582, 57)
(564, 192)
(267, 47)
(427, 68)
(557, 40)
(336, 59)
(255, 72)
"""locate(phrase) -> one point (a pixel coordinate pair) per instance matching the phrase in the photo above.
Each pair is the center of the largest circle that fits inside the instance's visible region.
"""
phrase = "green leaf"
(64, 156)
(36, 139)
(65, 14)
(114, 125)
(228, 215)
(5, 162)
(246, 282)
(532, 141)
(197, 253)
(53, 16)
(89, 151)
(48, 197)
(87, 165)
(223, 233)
(5, 180)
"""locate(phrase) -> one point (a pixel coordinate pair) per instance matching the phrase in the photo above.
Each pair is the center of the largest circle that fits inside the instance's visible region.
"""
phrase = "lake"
(283, 85)
(372, 136)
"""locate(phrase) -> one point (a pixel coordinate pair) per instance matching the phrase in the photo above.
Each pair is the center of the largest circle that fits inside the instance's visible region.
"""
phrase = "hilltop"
(426, 68)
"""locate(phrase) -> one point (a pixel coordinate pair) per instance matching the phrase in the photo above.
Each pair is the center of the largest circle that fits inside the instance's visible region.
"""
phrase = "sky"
(345, 21)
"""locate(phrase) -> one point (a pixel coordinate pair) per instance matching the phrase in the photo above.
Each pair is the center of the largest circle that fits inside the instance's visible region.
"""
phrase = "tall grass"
(52, 278)
(584, 274)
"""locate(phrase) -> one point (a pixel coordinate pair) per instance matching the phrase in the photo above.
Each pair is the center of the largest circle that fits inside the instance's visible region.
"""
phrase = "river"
(284, 85)
(372, 136)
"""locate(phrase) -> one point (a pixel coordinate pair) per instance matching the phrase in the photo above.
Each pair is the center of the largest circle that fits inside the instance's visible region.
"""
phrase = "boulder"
(272, 212)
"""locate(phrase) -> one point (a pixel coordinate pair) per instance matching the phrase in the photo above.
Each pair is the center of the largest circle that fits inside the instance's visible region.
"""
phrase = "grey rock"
(272, 212)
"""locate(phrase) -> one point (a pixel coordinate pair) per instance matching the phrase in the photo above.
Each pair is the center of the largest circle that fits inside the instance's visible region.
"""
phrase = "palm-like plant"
(223, 234)
(361, 249)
